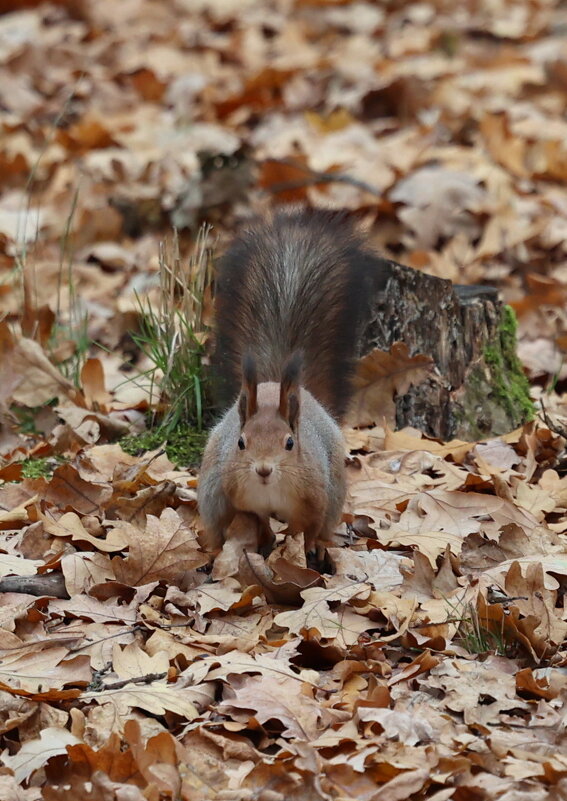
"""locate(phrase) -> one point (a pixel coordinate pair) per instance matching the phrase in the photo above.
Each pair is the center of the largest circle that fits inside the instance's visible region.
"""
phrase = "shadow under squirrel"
(292, 294)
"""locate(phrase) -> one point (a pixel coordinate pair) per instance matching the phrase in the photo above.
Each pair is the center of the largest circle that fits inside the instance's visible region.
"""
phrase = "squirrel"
(292, 294)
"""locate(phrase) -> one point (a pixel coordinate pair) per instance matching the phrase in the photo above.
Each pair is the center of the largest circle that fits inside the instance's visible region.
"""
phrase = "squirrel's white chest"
(265, 500)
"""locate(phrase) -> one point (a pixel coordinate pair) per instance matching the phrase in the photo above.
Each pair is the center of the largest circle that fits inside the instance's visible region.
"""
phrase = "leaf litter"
(425, 658)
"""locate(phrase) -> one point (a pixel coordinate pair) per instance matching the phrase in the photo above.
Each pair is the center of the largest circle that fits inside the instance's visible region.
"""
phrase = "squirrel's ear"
(289, 389)
(248, 402)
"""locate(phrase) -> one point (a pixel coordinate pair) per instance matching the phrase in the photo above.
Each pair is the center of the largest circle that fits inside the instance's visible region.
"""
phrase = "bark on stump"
(478, 388)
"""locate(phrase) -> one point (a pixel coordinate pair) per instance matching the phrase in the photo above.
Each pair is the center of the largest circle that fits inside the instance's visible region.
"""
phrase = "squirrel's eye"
(289, 443)
(241, 443)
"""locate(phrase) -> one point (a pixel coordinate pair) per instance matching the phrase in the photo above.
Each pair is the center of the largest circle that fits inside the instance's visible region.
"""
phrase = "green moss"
(184, 445)
(510, 386)
(38, 468)
(495, 397)
(449, 43)
(136, 444)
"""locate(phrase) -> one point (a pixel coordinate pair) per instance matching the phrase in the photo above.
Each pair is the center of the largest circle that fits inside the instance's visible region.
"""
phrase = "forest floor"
(428, 658)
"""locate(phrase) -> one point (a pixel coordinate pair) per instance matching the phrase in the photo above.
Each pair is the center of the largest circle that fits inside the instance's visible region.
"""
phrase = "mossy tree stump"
(478, 388)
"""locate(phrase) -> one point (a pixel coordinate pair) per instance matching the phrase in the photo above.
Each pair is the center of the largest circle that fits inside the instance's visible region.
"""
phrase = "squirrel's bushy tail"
(301, 281)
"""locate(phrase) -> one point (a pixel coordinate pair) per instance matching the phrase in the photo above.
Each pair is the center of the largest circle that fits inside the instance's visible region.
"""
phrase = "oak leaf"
(235, 662)
(11, 790)
(316, 613)
(156, 698)
(35, 753)
(82, 570)
(404, 727)
(162, 552)
(281, 699)
(71, 525)
(380, 376)
(27, 376)
(132, 662)
(67, 489)
(38, 671)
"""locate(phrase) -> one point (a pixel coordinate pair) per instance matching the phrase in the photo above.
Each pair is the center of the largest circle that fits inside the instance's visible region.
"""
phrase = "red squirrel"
(292, 295)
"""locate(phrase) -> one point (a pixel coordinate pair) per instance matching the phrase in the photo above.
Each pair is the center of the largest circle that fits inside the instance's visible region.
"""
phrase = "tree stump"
(478, 388)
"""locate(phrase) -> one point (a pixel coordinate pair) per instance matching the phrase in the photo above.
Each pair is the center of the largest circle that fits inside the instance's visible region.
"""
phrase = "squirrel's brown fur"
(292, 294)
(301, 281)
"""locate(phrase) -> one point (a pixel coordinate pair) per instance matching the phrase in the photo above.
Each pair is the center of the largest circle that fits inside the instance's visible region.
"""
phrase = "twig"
(147, 679)
(52, 584)
(555, 427)
(315, 177)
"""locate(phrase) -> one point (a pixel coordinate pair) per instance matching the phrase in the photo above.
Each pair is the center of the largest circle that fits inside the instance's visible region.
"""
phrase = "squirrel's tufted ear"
(290, 389)
(248, 401)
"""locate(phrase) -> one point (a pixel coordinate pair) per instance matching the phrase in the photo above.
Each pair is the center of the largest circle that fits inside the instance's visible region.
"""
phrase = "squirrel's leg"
(311, 535)
(317, 538)
(266, 537)
(334, 513)
(319, 529)
(215, 531)
(215, 509)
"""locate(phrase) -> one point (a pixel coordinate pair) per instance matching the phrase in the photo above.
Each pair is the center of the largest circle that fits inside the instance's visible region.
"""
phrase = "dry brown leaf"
(109, 760)
(11, 565)
(279, 698)
(436, 200)
(92, 383)
(156, 698)
(67, 489)
(48, 668)
(11, 790)
(464, 683)
(133, 663)
(381, 570)
(19, 514)
(276, 663)
(315, 612)
(163, 551)
(380, 376)
(70, 525)
(89, 608)
(281, 580)
(443, 135)
(407, 440)
(462, 513)
(402, 726)
(430, 543)
(497, 453)
(27, 376)
(35, 753)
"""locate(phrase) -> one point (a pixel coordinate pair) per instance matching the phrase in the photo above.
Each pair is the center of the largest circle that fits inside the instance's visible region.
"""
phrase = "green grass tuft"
(172, 336)
(476, 637)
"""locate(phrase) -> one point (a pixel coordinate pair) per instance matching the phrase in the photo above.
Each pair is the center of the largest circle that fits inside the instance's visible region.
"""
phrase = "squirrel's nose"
(263, 470)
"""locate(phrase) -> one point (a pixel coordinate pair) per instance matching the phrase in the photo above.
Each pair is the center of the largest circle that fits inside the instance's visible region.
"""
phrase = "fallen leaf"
(316, 613)
(380, 377)
(35, 753)
(156, 698)
(92, 383)
(401, 726)
(164, 551)
(437, 200)
(28, 377)
(281, 699)
(70, 525)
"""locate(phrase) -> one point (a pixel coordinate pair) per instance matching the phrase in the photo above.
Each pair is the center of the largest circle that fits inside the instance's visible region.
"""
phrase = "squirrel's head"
(269, 416)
